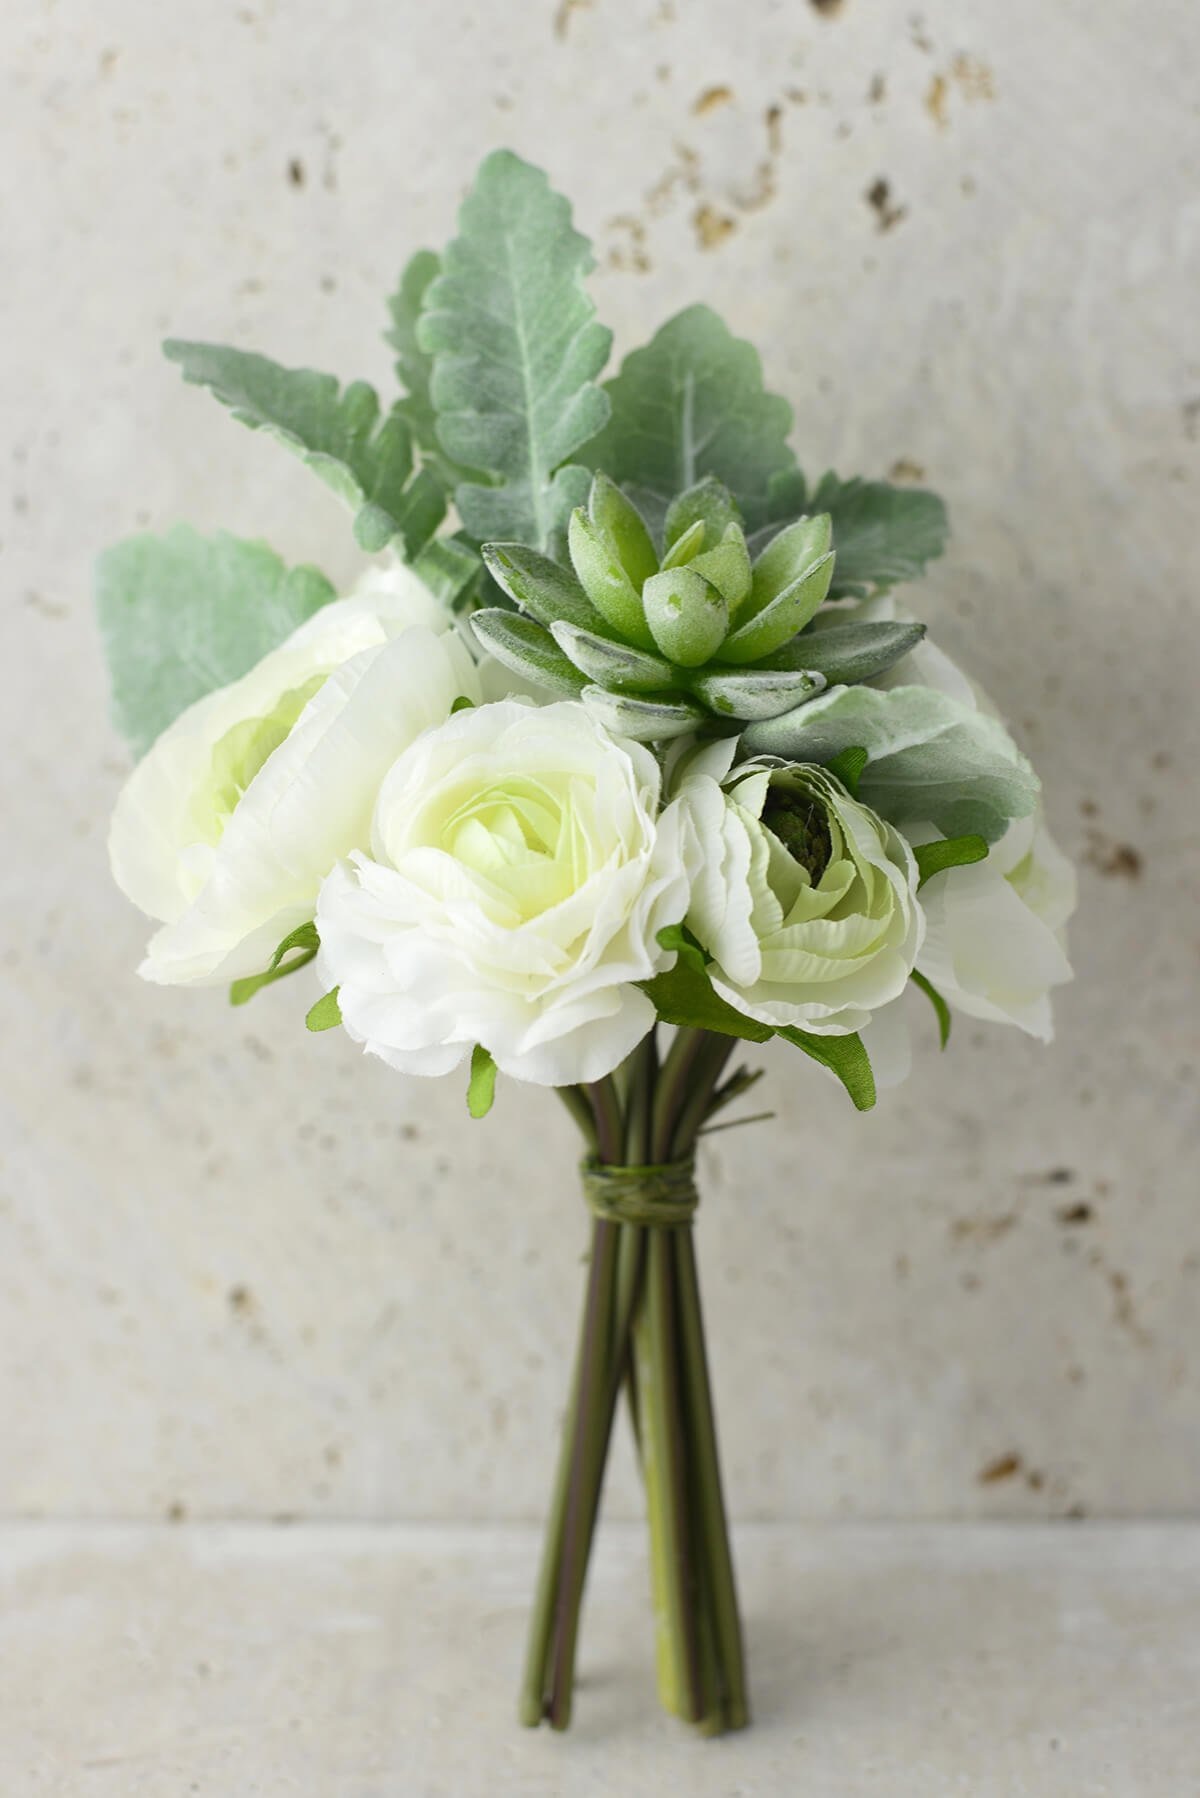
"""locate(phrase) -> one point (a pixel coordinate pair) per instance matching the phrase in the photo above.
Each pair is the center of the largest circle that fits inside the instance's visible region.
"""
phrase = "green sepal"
(335, 433)
(326, 1014)
(645, 718)
(844, 1056)
(848, 766)
(616, 517)
(540, 587)
(596, 562)
(936, 1000)
(684, 996)
(782, 617)
(790, 553)
(708, 502)
(527, 649)
(612, 664)
(690, 404)
(687, 615)
(847, 653)
(304, 938)
(182, 614)
(755, 695)
(481, 1089)
(948, 852)
(516, 349)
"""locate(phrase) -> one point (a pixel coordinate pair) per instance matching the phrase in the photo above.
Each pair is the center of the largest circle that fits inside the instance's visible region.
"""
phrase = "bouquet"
(621, 755)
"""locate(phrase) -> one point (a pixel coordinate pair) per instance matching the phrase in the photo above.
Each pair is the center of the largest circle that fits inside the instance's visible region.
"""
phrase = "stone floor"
(347, 1661)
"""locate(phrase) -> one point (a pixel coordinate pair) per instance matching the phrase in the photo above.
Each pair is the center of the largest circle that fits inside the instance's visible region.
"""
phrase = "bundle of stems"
(642, 1330)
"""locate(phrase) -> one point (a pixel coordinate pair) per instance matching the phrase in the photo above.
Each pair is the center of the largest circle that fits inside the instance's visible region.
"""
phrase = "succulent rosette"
(662, 635)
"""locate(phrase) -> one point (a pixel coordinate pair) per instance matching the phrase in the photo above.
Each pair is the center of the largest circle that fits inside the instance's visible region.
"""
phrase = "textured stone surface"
(908, 1662)
(242, 1272)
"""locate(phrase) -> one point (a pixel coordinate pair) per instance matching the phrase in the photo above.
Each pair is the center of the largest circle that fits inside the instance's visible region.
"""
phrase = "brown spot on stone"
(1035, 1480)
(712, 227)
(1002, 1468)
(176, 1512)
(241, 1300)
(773, 118)
(827, 8)
(796, 95)
(631, 254)
(1071, 1215)
(973, 78)
(879, 198)
(905, 470)
(919, 35)
(877, 92)
(562, 16)
(1112, 858)
(295, 172)
(935, 102)
(983, 1228)
(710, 99)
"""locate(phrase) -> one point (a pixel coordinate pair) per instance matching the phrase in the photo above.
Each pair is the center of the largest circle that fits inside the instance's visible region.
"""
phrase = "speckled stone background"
(244, 1273)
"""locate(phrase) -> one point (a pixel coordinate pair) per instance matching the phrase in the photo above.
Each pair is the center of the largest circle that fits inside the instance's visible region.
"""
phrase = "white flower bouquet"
(634, 760)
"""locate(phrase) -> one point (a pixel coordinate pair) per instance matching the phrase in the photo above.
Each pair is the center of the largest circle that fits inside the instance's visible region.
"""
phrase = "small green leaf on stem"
(326, 1014)
(482, 1087)
(844, 1056)
(939, 1004)
(948, 852)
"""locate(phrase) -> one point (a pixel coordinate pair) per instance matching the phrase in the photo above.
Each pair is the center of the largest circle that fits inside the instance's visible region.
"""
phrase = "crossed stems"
(642, 1328)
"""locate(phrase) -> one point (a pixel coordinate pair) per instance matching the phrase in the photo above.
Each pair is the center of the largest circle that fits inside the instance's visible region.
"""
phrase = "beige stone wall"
(244, 1273)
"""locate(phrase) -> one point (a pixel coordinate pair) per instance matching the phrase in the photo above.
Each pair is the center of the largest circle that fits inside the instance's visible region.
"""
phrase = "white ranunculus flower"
(519, 873)
(996, 944)
(231, 820)
(996, 938)
(817, 935)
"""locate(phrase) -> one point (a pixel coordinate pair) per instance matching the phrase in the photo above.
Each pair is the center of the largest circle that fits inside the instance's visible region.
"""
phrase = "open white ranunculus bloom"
(805, 898)
(229, 823)
(519, 873)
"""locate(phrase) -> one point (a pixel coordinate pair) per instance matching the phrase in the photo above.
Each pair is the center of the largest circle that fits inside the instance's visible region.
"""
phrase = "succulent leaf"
(540, 587)
(605, 581)
(708, 500)
(612, 664)
(615, 516)
(757, 695)
(782, 617)
(686, 546)
(646, 720)
(847, 653)
(687, 615)
(727, 566)
(528, 650)
(790, 553)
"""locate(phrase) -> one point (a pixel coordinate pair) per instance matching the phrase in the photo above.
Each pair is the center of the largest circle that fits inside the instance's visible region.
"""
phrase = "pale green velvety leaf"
(449, 568)
(528, 650)
(182, 614)
(541, 587)
(848, 653)
(516, 350)
(882, 535)
(414, 367)
(481, 1089)
(756, 695)
(709, 502)
(931, 757)
(612, 664)
(690, 404)
(844, 1056)
(646, 720)
(338, 435)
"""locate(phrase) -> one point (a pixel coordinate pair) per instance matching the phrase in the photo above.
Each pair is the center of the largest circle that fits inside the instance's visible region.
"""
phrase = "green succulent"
(660, 641)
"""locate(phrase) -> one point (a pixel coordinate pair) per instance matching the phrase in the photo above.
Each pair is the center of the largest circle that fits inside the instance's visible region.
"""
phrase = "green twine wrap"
(659, 1198)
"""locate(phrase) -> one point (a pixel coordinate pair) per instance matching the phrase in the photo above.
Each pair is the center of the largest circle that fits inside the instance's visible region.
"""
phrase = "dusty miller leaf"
(183, 614)
(691, 404)
(516, 350)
